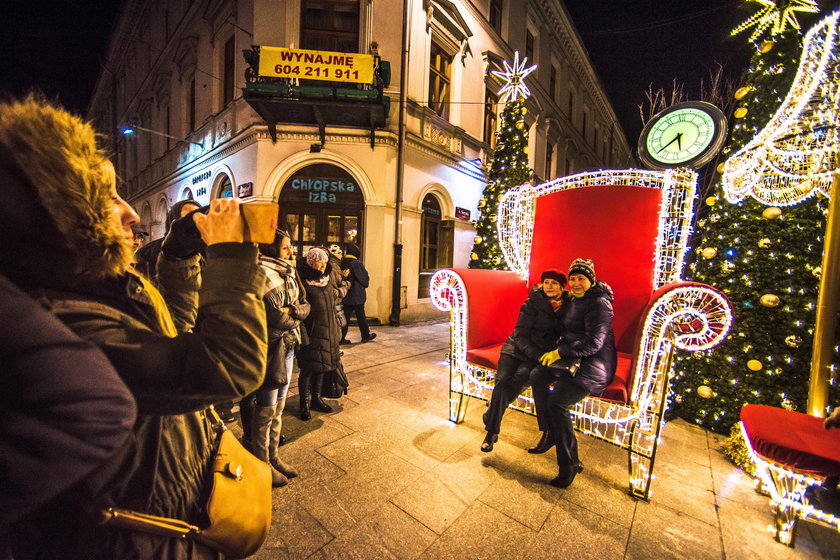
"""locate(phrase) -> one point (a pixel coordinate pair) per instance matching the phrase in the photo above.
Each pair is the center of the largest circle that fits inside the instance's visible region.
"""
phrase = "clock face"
(685, 134)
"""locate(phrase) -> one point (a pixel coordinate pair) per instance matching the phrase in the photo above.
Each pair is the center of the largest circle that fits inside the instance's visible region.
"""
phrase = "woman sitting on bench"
(535, 333)
(587, 335)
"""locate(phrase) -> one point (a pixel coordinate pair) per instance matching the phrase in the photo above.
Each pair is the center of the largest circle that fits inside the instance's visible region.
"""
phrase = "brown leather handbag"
(238, 505)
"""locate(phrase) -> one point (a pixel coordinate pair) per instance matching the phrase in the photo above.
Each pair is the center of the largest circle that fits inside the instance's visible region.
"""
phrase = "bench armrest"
(688, 315)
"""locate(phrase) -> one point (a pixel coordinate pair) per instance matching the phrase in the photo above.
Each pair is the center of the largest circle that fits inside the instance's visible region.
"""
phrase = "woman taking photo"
(587, 335)
(535, 333)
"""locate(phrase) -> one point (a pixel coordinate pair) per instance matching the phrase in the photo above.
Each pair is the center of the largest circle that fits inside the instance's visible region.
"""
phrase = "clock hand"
(679, 141)
(676, 139)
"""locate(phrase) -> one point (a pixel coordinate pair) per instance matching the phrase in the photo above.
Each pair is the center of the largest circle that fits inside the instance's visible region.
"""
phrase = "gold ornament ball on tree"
(769, 300)
(709, 253)
(766, 47)
(817, 272)
(727, 267)
(711, 201)
(788, 404)
(520, 125)
(478, 239)
(764, 243)
(793, 341)
(481, 203)
(705, 391)
(771, 213)
(719, 167)
(525, 150)
(740, 112)
(742, 92)
(755, 365)
(500, 196)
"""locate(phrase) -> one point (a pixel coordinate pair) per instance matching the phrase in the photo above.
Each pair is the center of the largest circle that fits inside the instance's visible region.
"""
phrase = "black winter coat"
(64, 408)
(320, 352)
(586, 326)
(359, 281)
(537, 328)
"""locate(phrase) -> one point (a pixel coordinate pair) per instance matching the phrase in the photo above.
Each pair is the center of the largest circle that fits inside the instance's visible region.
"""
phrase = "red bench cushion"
(618, 390)
(792, 439)
(485, 357)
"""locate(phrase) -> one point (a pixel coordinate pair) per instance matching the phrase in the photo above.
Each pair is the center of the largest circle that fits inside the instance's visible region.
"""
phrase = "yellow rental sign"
(279, 62)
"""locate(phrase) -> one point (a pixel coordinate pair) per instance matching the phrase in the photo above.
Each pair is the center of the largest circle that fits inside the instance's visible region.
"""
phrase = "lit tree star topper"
(776, 15)
(514, 78)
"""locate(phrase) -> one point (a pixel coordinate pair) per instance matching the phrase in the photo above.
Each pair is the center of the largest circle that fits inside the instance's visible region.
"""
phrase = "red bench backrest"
(616, 227)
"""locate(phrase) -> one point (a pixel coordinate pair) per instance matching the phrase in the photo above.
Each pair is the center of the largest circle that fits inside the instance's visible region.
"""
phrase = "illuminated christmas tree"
(765, 259)
(509, 167)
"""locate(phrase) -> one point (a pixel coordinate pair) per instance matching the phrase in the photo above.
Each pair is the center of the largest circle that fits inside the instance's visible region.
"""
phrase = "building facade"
(339, 167)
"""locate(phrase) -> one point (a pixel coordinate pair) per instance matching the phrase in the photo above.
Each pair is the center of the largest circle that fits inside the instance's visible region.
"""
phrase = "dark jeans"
(359, 310)
(553, 397)
(511, 380)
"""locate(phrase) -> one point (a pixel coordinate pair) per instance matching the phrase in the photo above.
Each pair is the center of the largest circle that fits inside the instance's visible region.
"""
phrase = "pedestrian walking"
(354, 302)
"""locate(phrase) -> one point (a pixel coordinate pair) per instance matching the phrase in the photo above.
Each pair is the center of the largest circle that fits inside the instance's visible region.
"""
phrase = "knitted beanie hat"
(554, 274)
(316, 255)
(585, 267)
(335, 249)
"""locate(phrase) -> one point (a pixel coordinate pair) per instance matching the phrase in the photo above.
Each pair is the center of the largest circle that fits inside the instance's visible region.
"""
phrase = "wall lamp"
(131, 129)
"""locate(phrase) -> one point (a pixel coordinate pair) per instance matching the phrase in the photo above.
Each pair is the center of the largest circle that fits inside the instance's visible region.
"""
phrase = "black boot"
(489, 440)
(546, 443)
(303, 393)
(317, 402)
(246, 411)
(564, 480)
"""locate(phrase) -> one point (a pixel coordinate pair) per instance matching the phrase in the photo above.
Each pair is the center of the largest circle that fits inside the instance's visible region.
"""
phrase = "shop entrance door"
(321, 204)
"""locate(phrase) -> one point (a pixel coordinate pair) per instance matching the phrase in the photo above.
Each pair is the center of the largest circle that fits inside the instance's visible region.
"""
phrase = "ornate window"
(440, 80)
(229, 71)
(330, 25)
(491, 101)
(495, 15)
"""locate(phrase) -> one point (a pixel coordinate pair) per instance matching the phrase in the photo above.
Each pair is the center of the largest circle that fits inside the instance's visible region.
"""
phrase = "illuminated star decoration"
(776, 15)
(514, 78)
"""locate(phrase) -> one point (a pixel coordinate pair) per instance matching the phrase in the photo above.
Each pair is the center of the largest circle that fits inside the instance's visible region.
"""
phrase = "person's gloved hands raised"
(184, 239)
(549, 357)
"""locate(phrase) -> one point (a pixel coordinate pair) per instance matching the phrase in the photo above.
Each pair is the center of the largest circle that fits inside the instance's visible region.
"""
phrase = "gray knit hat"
(583, 266)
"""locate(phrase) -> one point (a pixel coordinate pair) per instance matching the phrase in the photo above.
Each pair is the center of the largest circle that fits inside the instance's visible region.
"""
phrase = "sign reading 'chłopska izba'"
(278, 62)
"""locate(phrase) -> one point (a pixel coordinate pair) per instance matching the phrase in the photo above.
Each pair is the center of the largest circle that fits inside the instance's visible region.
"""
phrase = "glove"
(549, 357)
(183, 240)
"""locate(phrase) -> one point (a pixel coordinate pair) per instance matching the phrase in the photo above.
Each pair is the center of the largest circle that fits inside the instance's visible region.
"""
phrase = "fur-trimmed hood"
(59, 190)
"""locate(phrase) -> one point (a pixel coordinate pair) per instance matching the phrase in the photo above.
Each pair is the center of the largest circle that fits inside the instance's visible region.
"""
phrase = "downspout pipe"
(394, 319)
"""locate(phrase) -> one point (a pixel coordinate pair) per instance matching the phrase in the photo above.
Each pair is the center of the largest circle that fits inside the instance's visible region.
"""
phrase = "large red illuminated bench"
(634, 225)
(791, 452)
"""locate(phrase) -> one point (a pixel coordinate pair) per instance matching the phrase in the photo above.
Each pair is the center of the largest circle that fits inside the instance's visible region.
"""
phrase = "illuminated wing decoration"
(793, 157)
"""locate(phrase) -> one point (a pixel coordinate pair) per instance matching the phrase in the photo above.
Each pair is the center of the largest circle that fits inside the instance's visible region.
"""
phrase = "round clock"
(687, 134)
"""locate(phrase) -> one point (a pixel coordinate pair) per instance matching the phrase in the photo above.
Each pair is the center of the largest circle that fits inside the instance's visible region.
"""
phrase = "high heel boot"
(260, 434)
(303, 394)
(274, 442)
(546, 442)
(317, 402)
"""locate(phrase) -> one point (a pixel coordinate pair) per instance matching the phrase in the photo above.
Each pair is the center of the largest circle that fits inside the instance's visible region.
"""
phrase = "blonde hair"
(72, 177)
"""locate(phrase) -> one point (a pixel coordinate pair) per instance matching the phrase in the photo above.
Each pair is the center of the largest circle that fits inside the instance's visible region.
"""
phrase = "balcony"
(319, 102)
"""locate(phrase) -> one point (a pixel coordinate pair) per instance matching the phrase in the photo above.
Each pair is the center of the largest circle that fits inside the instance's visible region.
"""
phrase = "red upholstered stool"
(791, 451)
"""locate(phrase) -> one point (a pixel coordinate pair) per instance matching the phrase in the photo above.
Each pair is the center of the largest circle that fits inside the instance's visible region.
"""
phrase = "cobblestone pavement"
(388, 476)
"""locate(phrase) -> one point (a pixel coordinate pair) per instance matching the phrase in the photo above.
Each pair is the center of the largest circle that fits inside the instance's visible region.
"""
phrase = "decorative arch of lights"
(685, 315)
(793, 157)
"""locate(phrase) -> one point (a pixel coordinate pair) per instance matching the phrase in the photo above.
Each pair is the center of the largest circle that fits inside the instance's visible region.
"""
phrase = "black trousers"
(361, 319)
(553, 397)
(512, 377)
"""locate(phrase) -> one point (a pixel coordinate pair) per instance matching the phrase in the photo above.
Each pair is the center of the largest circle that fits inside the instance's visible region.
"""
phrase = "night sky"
(58, 46)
